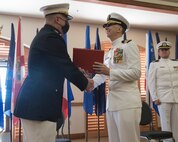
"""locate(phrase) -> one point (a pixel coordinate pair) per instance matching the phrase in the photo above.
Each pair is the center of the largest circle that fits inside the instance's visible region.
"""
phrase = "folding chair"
(146, 118)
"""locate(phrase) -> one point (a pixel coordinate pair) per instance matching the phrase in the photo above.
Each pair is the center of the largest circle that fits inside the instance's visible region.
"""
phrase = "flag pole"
(86, 132)
(11, 128)
(98, 114)
(98, 118)
(19, 130)
(68, 127)
(98, 127)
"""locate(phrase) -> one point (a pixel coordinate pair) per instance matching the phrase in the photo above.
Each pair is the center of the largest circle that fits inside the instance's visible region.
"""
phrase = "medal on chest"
(118, 56)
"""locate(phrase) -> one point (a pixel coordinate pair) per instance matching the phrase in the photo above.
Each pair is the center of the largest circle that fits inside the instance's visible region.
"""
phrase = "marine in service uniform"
(39, 102)
(122, 67)
(163, 87)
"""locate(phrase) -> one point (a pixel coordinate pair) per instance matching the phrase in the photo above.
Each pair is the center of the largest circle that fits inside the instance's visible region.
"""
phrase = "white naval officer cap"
(115, 18)
(164, 44)
(61, 8)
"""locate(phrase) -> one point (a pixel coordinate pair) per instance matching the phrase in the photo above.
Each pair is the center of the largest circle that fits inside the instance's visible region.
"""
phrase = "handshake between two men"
(99, 68)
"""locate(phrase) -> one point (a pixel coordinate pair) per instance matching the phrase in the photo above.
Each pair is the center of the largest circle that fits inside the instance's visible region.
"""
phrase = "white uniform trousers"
(38, 131)
(169, 116)
(123, 125)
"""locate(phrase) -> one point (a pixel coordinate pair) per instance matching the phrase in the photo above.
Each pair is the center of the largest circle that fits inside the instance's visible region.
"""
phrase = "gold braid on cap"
(164, 44)
(112, 21)
(119, 22)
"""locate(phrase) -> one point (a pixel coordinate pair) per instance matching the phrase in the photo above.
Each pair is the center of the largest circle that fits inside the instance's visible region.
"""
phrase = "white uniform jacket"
(124, 63)
(163, 80)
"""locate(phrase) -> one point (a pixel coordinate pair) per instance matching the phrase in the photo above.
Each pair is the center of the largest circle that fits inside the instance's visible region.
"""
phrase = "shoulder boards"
(126, 41)
(155, 61)
(129, 41)
(174, 59)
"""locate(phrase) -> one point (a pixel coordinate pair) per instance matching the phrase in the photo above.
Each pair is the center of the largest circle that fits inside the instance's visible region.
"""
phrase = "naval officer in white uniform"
(163, 86)
(122, 67)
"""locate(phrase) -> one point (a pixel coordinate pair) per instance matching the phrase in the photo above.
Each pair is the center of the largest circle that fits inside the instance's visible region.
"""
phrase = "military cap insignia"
(164, 44)
(109, 16)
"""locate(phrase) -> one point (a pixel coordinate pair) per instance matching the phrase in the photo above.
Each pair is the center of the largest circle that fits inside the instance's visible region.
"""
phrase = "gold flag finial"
(1, 29)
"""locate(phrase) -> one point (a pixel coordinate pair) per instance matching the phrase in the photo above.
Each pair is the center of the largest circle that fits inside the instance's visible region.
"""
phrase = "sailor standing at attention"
(163, 87)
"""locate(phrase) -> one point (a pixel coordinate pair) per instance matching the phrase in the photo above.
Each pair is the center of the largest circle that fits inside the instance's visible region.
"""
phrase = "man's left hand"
(100, 68)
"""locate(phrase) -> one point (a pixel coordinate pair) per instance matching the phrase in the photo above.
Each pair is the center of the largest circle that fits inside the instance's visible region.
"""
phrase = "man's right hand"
(157, 102)
(90, 85)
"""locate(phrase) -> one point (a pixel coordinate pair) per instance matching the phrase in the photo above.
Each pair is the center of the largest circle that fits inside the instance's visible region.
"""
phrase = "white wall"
(76, 38)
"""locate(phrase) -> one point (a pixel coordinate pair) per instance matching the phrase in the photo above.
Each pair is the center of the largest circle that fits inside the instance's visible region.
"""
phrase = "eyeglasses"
(164, 49)
(109, 24)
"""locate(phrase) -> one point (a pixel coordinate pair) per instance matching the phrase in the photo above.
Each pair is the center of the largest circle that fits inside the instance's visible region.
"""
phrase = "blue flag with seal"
(88, 97)
(9, 74)
(99, 92)
(150, 57)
